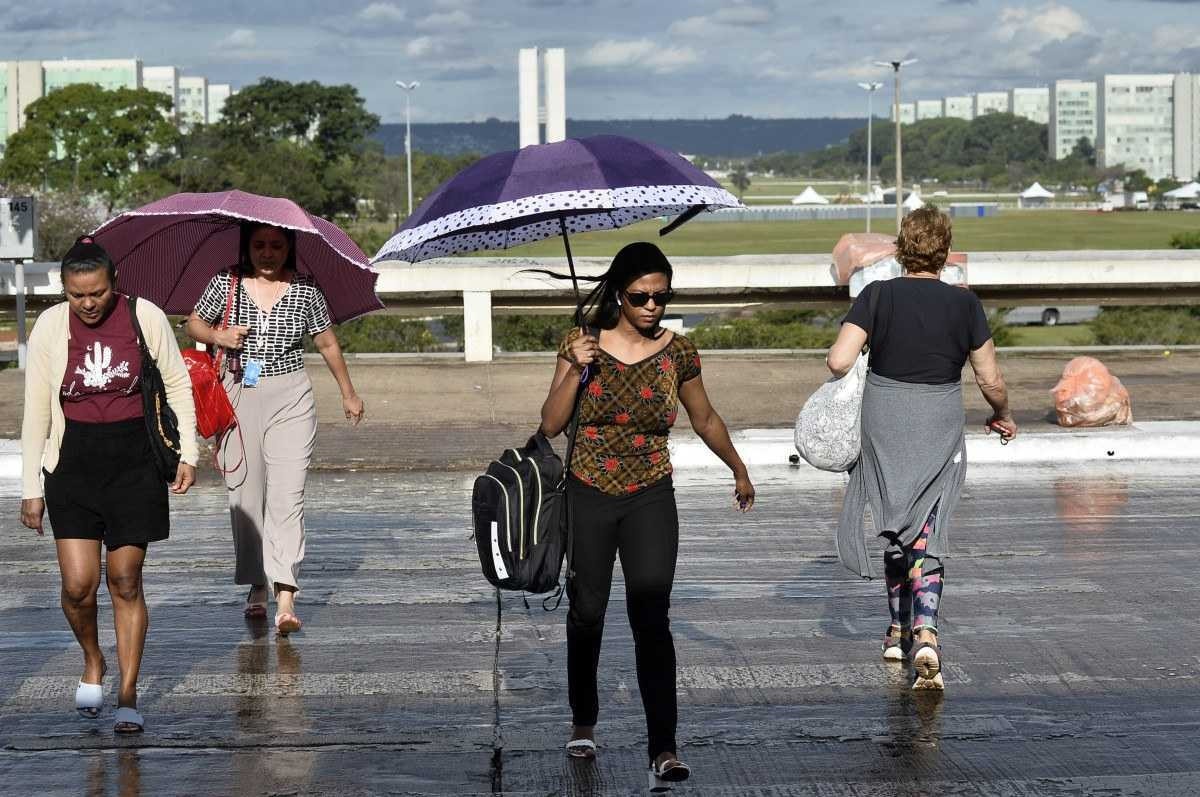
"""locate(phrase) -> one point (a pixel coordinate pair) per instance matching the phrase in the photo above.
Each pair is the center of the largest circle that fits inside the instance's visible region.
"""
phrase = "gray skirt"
(913, 458)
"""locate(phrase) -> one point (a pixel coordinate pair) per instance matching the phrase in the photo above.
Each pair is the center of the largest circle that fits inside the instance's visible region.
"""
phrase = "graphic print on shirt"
(96, 370)
(98, 373)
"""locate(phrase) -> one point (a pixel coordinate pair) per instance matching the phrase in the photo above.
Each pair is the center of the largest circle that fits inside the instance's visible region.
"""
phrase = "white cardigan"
(43, 425)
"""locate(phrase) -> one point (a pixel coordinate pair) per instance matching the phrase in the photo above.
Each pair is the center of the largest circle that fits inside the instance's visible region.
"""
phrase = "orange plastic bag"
(1089, 395)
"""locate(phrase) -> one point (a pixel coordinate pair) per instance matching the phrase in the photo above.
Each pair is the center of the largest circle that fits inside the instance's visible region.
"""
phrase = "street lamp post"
(870, 88)
(408, 90)
(895, 66)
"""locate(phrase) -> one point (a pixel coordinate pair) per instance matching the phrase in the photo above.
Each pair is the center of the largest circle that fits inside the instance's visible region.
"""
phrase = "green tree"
(84, 138)
(1137, 180)
(740, 181)
(1084, 150)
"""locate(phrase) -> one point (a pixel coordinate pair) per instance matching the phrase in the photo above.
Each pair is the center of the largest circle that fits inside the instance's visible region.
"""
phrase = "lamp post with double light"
(870, 88)
(895, 67)
(408, 90)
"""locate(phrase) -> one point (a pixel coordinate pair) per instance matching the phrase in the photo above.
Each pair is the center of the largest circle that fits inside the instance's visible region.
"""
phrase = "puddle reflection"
(1089, 506)
(128, 772)
(914, 726)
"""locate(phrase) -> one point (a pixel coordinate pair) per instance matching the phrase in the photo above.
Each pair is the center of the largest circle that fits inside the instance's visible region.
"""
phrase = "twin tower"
(542, 104)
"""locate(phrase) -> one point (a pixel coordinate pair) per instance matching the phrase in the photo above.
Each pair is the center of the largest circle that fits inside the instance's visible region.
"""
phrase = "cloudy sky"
(625, 58)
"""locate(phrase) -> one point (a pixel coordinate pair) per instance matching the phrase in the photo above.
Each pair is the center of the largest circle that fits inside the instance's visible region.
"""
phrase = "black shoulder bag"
(520, 513)
(162, 425)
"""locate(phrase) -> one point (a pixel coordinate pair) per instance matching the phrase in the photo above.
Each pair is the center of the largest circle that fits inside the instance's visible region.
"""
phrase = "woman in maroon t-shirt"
(100, 484)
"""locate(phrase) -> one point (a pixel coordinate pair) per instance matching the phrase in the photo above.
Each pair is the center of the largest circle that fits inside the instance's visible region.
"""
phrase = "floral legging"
(913, 597)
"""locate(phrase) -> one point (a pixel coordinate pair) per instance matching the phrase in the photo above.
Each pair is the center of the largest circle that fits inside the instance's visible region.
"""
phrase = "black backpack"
(520, 516)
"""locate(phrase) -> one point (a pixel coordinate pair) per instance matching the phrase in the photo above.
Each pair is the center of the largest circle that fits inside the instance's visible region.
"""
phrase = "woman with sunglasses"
(633, 374)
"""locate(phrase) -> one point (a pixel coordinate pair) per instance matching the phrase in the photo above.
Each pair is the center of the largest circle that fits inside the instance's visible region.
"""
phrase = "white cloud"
(423, 46)
(239, 39)
(1175, 37)
(612, 53)
(382, 12)
(1034, 27)
(720, 21)
(444, 20)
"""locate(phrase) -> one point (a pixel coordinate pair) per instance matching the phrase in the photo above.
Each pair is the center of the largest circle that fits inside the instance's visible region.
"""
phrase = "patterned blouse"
(276, 339)
(625, 414)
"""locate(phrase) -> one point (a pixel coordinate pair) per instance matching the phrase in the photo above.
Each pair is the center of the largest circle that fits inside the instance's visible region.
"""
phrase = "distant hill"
(735, 136)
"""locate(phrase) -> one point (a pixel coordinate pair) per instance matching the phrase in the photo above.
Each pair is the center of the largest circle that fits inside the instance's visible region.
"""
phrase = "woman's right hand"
(32, 510)
(230, 337)
(1004, 425)
(584, 350)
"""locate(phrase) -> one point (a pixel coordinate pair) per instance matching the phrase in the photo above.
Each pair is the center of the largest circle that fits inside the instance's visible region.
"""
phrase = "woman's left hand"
(743, 493)
(354, 408)
(185, 477)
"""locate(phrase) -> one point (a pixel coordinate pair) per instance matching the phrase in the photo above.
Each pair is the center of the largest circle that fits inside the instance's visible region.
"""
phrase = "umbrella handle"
(562, 225)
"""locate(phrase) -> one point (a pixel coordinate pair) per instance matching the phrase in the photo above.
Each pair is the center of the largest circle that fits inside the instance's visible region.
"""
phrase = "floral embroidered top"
(625, 414)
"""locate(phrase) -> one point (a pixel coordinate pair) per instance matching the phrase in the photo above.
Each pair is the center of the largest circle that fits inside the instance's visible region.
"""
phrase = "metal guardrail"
(476, 286)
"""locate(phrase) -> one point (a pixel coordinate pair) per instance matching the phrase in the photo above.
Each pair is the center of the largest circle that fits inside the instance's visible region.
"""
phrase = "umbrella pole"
(562, 225)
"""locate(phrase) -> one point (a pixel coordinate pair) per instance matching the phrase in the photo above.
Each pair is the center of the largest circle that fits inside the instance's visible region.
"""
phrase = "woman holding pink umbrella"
(273, 308)
(295, 275)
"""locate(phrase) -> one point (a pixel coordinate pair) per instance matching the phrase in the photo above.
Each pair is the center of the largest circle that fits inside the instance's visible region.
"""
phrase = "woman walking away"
(85, 430)
(921, 332)
(271, 308)
(620, 492)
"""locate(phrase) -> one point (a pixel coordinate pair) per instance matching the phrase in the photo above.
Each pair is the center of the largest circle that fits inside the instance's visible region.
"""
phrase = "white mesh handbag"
(828, 434)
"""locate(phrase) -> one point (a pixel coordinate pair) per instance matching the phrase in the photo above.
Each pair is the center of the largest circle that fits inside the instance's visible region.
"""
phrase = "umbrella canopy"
(577, 185)
(168, 251)
(809, 197)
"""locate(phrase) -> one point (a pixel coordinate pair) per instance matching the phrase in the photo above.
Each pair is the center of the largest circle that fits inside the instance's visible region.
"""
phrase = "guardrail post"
(477, 326)
(19, 292)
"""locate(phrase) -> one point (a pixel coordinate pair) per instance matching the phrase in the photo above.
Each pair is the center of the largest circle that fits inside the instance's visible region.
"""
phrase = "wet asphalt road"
(1068, 623)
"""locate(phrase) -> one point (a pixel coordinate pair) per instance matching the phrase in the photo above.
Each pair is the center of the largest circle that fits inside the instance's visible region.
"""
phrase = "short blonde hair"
(924, 240)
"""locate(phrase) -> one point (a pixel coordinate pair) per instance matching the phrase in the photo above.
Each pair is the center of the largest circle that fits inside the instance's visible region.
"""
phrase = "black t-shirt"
(923, 329)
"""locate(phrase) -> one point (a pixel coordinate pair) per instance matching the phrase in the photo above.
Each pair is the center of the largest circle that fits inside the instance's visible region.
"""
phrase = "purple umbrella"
(168, 251)
(578, 185)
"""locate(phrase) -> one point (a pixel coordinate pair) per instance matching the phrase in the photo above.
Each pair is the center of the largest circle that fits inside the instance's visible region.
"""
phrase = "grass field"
(1010, 231)
(1069, 335)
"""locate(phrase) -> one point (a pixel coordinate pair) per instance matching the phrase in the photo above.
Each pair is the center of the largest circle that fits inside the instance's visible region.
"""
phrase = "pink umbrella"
(168, 251)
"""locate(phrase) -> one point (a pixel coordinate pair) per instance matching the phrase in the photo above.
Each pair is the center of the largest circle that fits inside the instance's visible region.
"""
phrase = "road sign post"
(18, 239)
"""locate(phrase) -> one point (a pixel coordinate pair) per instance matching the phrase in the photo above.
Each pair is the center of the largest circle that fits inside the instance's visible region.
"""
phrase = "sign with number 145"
(18, 227)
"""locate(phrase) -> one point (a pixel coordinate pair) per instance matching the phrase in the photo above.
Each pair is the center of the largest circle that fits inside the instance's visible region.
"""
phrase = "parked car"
(1051, 316)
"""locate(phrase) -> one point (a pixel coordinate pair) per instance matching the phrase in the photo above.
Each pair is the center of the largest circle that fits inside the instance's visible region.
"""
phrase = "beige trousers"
(278, 423)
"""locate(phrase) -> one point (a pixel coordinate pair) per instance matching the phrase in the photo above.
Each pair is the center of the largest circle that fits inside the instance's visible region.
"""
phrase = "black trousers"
(644, 529)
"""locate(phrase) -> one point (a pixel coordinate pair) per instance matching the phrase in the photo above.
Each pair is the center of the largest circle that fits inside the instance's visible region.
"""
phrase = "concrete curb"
(1149, 441)
(1155, 440)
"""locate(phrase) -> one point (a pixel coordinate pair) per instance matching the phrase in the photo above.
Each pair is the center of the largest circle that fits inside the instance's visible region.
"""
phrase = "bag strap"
(137, 326)
(235, 280)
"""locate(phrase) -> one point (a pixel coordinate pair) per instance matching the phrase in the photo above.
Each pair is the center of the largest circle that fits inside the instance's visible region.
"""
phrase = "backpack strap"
(573, 430)
(137, 326)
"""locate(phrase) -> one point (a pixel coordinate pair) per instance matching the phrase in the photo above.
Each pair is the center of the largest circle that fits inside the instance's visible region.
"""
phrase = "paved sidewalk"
(446, 414)
(1071, 666)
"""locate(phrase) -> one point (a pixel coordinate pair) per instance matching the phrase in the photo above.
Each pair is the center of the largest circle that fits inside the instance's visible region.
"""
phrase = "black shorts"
(106, 487)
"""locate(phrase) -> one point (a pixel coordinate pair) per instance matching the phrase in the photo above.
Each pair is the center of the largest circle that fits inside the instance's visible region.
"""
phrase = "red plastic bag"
(214, 413)
(1089, 395)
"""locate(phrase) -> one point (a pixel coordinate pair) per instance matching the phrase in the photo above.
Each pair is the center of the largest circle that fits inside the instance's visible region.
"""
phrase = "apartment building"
(1031, 103)
(1137, 123)
(959, 107)
(991, 102)
(1073, 115)
(1187, 127)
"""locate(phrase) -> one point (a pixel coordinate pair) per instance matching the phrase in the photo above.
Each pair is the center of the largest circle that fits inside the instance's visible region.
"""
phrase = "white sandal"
(581, 748)
(89, 699)
(670, 771)
(128, 716)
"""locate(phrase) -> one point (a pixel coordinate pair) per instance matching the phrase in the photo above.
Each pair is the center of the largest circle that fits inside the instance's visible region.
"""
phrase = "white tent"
(810, 197)
(914, 201)
(875, 195)
(1036, 191)
(1189, 191)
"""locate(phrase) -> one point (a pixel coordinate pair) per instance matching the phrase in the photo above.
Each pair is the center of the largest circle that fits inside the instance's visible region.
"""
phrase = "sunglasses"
(641, 298)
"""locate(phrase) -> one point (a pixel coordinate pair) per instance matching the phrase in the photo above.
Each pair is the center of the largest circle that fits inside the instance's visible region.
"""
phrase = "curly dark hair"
(924, 240)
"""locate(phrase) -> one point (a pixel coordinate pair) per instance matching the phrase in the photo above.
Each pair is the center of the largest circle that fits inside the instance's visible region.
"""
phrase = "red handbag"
(214, 414)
